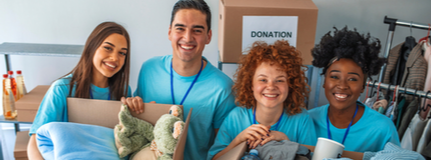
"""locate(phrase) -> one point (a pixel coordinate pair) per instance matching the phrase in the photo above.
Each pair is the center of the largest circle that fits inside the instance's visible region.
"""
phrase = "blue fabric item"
(53, 107)
(370, 133)
(389, 110)
(64, 140)
(392, 152)
(211, 99)
(337, 159)
(299, 128)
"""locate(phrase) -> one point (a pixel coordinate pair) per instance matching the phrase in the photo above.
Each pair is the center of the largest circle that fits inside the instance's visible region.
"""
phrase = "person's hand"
(274, 135)
(253, 133)
(135, 104)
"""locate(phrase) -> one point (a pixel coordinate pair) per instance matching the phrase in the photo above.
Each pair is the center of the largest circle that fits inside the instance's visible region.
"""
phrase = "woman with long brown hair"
(101, 73)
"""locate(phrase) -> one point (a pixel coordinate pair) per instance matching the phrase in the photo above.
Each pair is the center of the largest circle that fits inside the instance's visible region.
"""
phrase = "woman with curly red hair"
(270, 89)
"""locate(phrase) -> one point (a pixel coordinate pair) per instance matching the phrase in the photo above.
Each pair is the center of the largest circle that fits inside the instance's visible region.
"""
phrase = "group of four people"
(265, 102)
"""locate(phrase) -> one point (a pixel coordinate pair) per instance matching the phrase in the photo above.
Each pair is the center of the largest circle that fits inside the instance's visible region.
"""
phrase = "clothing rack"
(400, 89)
(392, 26)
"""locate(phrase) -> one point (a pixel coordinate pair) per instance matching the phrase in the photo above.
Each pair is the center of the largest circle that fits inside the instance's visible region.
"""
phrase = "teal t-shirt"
(298, 128)
(370, 133)
(53, 107)
(211, 99)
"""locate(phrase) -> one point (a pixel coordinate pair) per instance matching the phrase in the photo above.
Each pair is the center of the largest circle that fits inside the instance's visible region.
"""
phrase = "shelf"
(34, 49)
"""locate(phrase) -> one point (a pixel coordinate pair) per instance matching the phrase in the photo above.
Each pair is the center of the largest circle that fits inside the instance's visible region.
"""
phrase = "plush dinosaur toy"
(144, 141)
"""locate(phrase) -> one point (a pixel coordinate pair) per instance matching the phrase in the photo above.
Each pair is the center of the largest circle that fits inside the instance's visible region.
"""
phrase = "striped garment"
(393, 152)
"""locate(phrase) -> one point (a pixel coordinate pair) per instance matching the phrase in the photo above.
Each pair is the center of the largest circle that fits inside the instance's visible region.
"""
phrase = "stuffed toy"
(143, 141)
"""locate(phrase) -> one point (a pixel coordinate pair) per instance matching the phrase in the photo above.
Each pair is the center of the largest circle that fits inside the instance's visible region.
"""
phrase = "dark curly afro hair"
(362, 49)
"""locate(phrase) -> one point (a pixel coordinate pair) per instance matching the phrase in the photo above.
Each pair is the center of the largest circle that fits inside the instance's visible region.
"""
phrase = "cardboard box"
(28, 105)
(105, 113)
(21, 141)
(241, 23)
(237, 152)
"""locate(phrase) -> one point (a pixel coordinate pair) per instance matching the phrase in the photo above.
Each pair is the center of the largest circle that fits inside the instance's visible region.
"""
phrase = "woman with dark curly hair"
(271, 89)
(347, 59)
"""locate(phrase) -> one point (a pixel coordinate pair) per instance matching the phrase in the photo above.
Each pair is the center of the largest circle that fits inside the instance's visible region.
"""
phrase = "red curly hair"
(282, 55)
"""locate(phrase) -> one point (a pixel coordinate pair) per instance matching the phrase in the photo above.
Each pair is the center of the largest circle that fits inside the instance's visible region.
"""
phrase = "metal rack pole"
(401, 89)
(392, 27)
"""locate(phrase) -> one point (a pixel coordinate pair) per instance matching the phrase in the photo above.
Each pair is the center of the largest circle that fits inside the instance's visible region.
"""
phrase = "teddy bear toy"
(143, 140)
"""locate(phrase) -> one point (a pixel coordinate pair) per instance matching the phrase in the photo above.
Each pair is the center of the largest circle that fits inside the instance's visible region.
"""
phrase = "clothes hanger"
(367, 91)
(394, 93)
(410, 43)
(425, 107)
(373, 85)
(378, 90)
(425, 41)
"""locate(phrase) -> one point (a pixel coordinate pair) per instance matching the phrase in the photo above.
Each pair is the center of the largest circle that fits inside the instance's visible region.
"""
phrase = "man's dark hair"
(362, 49)
(193, 4)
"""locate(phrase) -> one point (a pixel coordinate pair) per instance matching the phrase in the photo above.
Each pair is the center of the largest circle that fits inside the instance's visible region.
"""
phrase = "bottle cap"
(5, 75)
(253, 151)
(10, 72)
(18, 71)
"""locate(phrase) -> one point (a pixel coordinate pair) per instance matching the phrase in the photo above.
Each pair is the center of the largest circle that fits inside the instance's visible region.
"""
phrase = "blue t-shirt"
(298, 128)
(370, 133)
(53, 107)
(211, 99)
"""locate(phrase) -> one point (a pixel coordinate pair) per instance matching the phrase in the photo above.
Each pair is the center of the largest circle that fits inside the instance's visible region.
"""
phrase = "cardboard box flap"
(179, 151)
(83, 111)
(235, 153)
(105, 113)
(271, 3)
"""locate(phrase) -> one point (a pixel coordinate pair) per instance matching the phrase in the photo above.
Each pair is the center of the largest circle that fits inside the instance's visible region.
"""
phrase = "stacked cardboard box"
(242, 22)
(28, 105)
(20, 150)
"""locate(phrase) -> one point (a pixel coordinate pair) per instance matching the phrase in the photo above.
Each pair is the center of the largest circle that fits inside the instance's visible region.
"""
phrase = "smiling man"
(187, 78)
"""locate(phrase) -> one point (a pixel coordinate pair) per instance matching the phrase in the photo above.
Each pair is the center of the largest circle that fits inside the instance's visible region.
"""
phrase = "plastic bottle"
(253, 155)
(21, 89)
(13, 84)
(9, 111)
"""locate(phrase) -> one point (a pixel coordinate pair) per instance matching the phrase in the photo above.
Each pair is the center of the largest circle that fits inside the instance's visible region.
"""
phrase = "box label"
(269, 29)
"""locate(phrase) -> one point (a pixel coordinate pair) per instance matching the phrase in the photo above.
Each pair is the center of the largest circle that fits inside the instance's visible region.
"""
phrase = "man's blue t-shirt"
(211, 99)
(53, 107)
(298, 128)
(370, 133)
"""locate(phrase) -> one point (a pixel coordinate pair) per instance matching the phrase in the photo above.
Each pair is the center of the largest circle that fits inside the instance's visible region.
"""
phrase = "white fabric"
(413, 133)
(425, 138)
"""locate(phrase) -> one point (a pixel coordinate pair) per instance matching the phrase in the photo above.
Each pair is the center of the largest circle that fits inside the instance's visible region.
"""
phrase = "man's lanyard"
(277, 124)
(91, 94)
(190, 87)
(349, 126)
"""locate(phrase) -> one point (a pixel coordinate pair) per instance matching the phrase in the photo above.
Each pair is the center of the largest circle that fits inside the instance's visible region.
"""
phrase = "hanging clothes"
(426, 102)
(399, 111)
(380, 105)
(370, 101)
(409, 113)
(425, 141)
(415, 71)
(413, 133)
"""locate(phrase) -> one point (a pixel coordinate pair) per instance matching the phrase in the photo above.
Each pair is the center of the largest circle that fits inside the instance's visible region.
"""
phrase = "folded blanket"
(65, 140)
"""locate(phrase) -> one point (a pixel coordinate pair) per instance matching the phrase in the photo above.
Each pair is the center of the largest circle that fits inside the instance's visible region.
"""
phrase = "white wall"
(70, 22)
